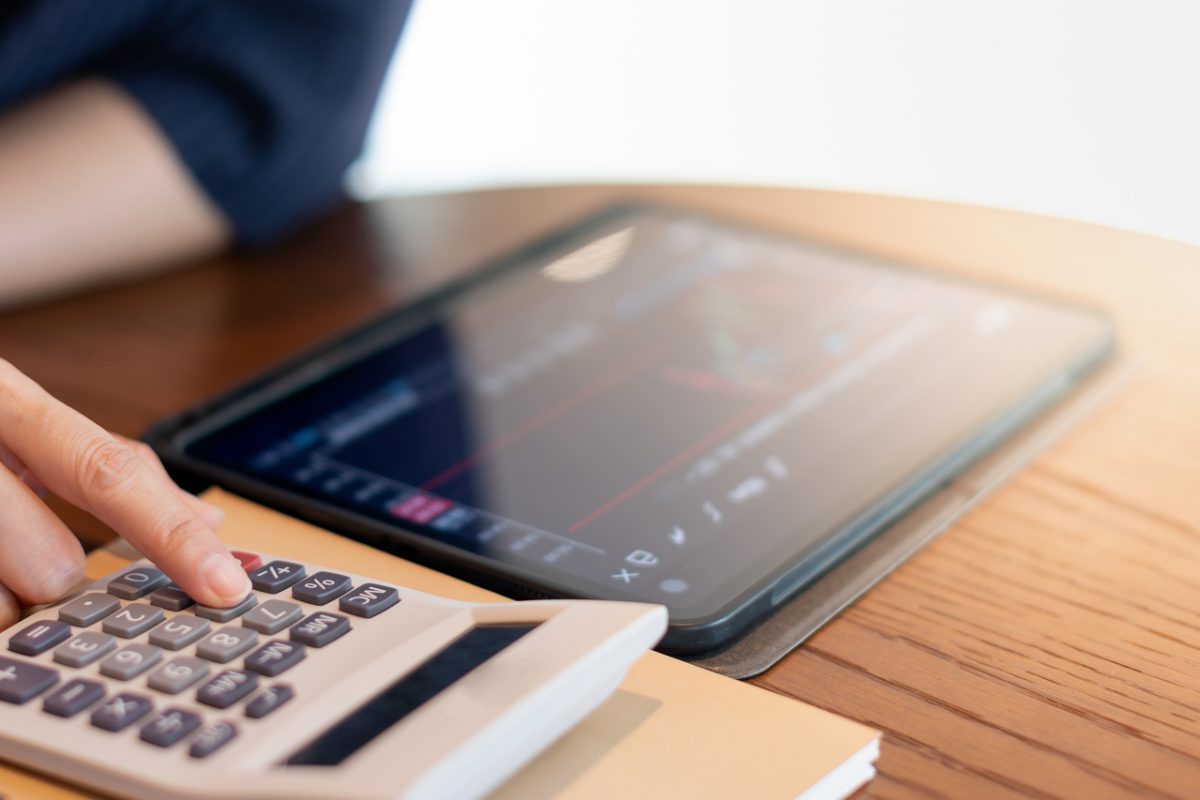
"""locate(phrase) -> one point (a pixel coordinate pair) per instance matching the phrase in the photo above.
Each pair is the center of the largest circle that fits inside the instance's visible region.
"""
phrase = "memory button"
(369, 599)
(318, 630)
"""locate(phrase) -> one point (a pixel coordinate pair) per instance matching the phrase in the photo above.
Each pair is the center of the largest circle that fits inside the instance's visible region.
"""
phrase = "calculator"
(320, 684)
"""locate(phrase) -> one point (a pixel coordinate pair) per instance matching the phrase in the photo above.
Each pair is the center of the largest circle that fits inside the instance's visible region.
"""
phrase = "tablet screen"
(663, 407)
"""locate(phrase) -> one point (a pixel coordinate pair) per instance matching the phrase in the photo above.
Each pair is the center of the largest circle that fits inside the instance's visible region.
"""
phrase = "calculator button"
(179, 674)
(227, 644)
(276, 576)
(212, 739)
(39, 637)
(269, 700)
(274, 657)
(226, 614)
(121, 711)
(179, 631)
(85, 648)
(272, 616)
(72, 697)
(227, 688)
(21, 681)
(136, 583)
(88, 609)
(369, 599)
(172, 598)
(320, 588)
(169, 727)
(250, 561)
(133, 620)
(130, 661)
(318, 630)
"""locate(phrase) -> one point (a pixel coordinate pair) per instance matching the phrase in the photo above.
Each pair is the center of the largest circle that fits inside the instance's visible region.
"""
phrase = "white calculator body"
(323, 684)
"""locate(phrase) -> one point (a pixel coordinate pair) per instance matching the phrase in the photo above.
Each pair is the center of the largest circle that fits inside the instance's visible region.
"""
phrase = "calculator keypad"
(144, 632)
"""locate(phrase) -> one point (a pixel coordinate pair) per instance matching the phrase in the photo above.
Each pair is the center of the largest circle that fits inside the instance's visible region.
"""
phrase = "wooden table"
(1047, 646)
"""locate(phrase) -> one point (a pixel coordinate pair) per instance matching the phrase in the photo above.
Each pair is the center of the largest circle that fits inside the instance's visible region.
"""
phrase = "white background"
(1078, 109)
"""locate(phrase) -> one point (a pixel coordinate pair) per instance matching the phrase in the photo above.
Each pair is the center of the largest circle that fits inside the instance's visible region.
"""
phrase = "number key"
(178, 675)
(226, 644)
(85, 648)
(133, 620)
(88, 609)
(272, 616)
(179, 631)
(136, 583)
(130, 661)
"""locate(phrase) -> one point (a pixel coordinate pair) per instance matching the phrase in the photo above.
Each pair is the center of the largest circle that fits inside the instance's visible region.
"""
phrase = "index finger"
(85, 465)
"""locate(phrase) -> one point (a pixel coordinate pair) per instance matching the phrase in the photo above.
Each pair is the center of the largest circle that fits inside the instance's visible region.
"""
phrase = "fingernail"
(225, 576)
(211, 515)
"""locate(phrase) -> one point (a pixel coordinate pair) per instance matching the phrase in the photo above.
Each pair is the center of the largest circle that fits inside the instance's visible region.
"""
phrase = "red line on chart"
(556, 410)
(717, 435)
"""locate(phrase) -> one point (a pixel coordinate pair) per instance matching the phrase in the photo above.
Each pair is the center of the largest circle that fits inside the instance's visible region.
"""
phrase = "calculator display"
(662, 406)
(406, 695)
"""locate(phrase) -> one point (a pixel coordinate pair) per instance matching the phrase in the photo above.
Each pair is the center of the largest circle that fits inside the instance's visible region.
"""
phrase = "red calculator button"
(250, 561)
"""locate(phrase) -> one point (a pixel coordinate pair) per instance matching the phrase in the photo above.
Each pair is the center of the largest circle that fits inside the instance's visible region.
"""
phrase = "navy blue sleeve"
(265, 101)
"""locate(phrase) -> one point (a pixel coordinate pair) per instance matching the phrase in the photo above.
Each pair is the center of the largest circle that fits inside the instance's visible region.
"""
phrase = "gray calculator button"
(172, 598)
(121, 711)
(133, 620)
(130, 661)
(212, 739)
(226, 614)
(276, 576)
(84, 648)
(227, 644)
(136, 583)
(179, 631)
(39, 637)
(21, 681)
(272, 616)
(318, 630)
(320, 588)
(169, 727)
(269, 700)
(227, 688)
(369, 599)
(179, 674)
(274, 657)
(88, 609)
(72, 697)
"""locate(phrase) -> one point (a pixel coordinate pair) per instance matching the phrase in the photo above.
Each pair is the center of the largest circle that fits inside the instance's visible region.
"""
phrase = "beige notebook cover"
(671, 730)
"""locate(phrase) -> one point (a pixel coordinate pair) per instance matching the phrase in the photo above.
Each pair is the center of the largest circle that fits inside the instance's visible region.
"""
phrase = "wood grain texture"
(1047, 646)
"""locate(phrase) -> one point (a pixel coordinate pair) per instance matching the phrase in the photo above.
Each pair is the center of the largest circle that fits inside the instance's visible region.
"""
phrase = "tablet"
(653, 405)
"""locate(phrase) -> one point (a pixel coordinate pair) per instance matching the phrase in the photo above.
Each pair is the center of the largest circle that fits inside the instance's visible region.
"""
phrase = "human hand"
(47, 447)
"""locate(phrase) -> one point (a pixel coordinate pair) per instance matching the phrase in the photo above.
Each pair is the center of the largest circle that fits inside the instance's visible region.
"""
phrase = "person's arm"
(91, 190)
